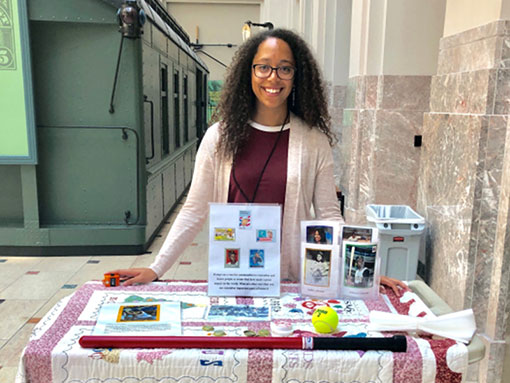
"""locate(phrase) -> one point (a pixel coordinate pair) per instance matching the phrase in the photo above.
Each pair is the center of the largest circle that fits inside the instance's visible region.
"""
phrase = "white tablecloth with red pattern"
(54, 355)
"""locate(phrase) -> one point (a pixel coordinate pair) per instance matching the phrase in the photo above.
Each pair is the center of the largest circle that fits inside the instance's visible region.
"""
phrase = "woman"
(319, 236)
(272, 145)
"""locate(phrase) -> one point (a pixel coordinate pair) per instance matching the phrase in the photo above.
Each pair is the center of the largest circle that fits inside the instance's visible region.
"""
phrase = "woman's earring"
(293, 96)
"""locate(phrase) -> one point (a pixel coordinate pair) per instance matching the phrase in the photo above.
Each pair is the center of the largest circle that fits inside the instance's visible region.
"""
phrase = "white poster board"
(244, 250)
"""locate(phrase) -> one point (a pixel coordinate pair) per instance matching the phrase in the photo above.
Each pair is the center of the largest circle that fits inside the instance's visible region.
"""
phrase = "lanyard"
(263, 169)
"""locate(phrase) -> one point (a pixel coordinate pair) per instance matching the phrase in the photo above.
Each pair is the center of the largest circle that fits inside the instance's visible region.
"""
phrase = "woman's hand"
(397, 286)
(129, 277)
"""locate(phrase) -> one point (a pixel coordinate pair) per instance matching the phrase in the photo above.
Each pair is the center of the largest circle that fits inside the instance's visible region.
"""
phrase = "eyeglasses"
(285, 72)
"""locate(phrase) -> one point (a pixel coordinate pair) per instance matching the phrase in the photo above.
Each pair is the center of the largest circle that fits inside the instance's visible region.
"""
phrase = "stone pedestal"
(464, 183)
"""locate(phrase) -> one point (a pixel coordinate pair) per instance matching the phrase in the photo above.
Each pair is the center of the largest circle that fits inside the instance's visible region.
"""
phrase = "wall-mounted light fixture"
(131, 19)
(246, 31)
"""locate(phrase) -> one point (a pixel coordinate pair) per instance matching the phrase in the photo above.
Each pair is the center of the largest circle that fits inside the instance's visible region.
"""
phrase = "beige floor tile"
(39, 286)
(11, 352)
(15, 267)
(2, 342)
(15, 314)
(190, 272)
(91, 271)
(65, 264)
(8, 374)
(198, 254)
(143, 261)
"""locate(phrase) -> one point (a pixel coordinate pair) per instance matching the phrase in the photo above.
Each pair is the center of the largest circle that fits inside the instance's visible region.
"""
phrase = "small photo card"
(231, 313)
(142, 313)
(232, 258)
(266, 235)
(322, 235)
(257, 257)
(317, 267)
(359, 266)
(357, 234)
(245, 219)
(224, 234)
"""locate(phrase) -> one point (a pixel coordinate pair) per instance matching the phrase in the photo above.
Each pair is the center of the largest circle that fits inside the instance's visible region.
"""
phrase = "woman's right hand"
(141, 275)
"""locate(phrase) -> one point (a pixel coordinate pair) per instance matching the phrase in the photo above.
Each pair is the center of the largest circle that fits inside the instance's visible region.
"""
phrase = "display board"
(17, 124)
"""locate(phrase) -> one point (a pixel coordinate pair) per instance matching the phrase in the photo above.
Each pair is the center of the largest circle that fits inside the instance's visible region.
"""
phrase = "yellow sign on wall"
(17, 125)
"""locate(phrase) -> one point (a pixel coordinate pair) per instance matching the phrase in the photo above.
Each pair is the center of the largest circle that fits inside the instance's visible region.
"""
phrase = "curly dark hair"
(238, 100)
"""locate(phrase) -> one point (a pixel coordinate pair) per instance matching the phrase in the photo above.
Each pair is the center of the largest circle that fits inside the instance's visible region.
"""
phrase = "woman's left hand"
(397, 286)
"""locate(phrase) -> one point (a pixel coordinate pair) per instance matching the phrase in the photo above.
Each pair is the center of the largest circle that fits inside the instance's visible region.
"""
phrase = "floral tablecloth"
(54, 355)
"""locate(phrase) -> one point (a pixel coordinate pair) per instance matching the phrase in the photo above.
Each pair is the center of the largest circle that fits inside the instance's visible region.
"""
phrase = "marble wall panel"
(396, 159)
(472, 56)
(465, 92)
(352, 191)
(404, 92)
(499, 27)
(499, 291)
(449, 232)
(504, 60)
(366, 158)
(350, 93)
(502, 92)
(449, 158)
(491, 367)
(371, 92)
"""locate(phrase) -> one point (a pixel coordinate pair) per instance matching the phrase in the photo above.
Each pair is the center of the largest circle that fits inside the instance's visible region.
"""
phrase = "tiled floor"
(30, 286)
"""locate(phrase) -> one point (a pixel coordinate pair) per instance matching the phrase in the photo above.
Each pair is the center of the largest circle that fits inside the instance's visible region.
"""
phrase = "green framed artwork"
(17, 123)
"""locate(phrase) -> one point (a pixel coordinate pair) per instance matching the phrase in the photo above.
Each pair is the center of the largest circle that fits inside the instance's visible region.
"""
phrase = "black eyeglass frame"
(254, 67)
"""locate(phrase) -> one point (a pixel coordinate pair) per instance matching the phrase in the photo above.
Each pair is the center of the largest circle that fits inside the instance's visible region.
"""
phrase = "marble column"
(383, 116)
(464, 183)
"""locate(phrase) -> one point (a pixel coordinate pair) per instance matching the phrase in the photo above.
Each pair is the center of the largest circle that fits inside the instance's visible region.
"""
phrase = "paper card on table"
(320, 259)
(360, 262)
(233, 313)
(155, 318)
(244, 250)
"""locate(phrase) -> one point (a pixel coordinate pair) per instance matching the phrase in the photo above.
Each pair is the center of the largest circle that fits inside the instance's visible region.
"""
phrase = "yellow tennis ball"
(325, 320)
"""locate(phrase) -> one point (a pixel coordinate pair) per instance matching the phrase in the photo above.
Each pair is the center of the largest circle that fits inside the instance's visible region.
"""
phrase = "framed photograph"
(317, 267)
(319, 235)
(232, 258)
(256, 257)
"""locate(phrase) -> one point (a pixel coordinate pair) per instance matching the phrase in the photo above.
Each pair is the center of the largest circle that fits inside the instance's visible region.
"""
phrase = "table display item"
(147, 318)
(320, 258)
(111, 280)
(459, 326)
(244, 250)
(396, 343)
(360, 262)
(53, 353)
(325, 320)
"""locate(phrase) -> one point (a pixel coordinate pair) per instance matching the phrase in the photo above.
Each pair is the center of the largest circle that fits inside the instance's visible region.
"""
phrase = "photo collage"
(254, 257)
(338, 260)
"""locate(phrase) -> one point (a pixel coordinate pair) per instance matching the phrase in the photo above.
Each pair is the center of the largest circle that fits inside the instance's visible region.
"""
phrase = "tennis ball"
(324, 320)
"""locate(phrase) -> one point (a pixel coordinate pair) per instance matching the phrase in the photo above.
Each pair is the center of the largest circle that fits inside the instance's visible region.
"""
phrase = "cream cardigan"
(309, 183)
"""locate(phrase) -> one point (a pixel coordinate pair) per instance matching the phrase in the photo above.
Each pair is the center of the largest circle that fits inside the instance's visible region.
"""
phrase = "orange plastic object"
(111, 280)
